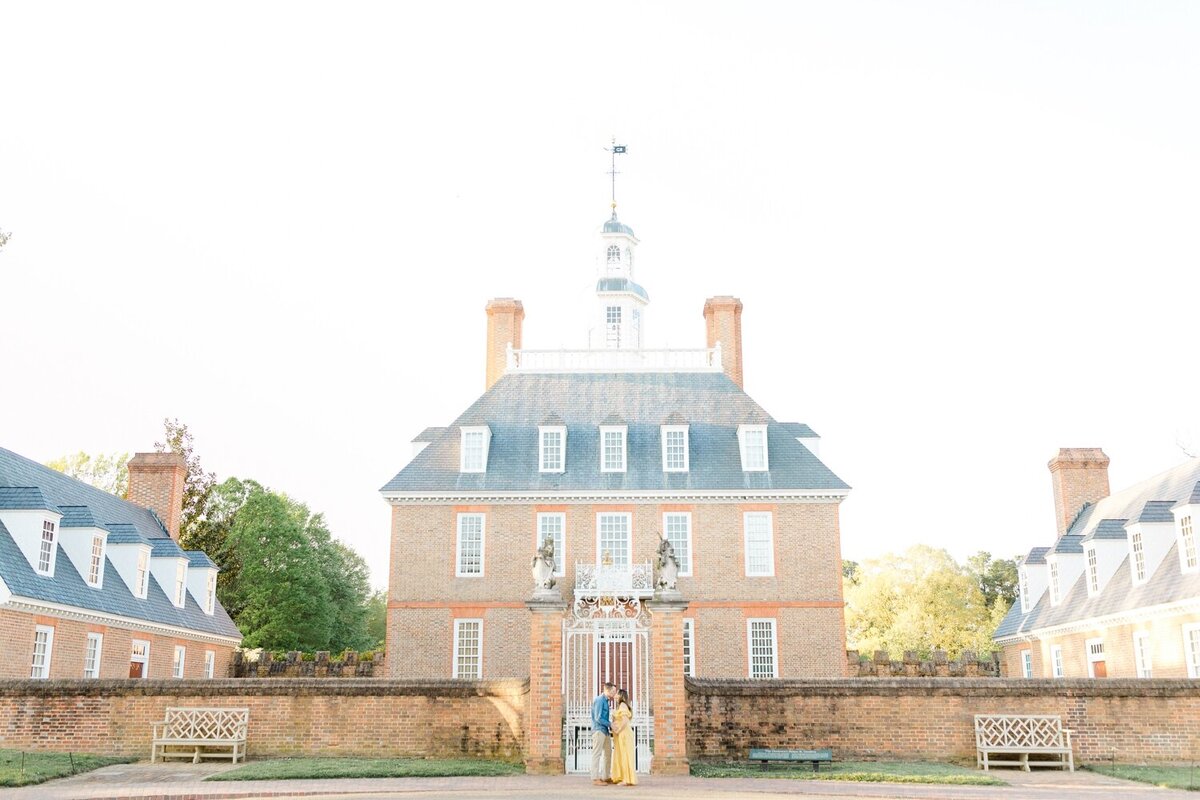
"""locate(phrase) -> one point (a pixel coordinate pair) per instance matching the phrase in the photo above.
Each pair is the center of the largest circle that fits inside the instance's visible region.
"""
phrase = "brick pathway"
(185, 782)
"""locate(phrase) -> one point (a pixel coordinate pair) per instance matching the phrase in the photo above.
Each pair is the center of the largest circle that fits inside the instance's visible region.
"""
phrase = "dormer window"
(1023, 583)
(1187, 544)
(753, 440)
(143, 573)
(210, 594)
(180, 583)
(1093, 572)
(614, 254)
(552, 448)
(675, 448)
(46, 554)
(96, 563)
(1054, 591)
(1137, 549)
(612, 448)
(475, 449)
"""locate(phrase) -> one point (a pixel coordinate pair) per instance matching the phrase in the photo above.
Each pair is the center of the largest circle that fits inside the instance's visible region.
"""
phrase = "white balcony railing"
(706, 359)
(605, 580)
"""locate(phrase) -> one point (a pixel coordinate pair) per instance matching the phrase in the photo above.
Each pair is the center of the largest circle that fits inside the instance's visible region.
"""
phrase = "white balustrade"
(706, 359)
(613, 580)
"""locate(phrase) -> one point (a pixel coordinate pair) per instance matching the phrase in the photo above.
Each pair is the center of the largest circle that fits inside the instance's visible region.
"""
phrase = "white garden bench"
(198, 733)
(1013, 734)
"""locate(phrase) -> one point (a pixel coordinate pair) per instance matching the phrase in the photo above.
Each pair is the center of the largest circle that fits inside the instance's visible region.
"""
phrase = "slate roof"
(1036, 556)
(1069, 544)
(800, 430)
(621, 285)
(21, 497)
(1108, 529)
(126, 522)
(614, 225)
(1191, 500)
(712, 404)
(1168, 584)
(1156, 511)
(79, 517)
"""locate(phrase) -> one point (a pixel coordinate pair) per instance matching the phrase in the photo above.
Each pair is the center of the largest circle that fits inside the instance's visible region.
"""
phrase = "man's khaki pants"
(601, 756)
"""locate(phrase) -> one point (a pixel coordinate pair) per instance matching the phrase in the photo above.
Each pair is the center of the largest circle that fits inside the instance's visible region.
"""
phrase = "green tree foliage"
(921, 600)
(997, 577)
(211, 535)
(109, 472)
(377, 619)
(198, 485)
(849, 571)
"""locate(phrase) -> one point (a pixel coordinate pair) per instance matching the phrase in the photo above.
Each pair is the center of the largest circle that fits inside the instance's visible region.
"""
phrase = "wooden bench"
(1013, 734)
(801, 756)
(198, 733)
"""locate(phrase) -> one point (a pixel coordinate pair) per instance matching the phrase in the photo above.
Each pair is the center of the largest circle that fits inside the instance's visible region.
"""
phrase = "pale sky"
(965, 233)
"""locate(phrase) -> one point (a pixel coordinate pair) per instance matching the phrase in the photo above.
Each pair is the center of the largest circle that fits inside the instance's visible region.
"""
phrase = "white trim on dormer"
(474, 433)
(25, 525)
(750, 462)
(664, 433)
(80, 546)
(552, 464)
(604, 462)
(1187, 535)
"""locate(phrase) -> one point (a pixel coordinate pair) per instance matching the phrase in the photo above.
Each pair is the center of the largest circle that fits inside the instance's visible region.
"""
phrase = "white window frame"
(210, 593)
(1092, 657)
(133, 643)
(143, 573)
(766, 458)
(689, 646)
(1143, 659)
(47, 548)
(41, 672)
(628, 517)
(1191, 649)
(485, 435)
(770, 517)
(458, 545)
(1027, 663)
(178, 662)
(95, 576)
(624, 432)
(666, 431)
(686, 516)
(1055, 588)
(180, 599)
(210, 663)
(1023, 586)
(1092, 568)
(92, 655)
(561, 430)
(1189, 548)
(560, 542)
(750, 647)
(1137, 557)
(1056, 660)
(458, 625)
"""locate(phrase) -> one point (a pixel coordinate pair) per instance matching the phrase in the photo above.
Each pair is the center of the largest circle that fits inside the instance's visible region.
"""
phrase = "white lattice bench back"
(1022, 734)
(198, 733)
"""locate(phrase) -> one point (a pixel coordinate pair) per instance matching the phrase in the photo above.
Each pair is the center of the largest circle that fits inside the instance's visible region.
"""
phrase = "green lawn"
(1168, 777)
(39, 767)
(864, 771)
(299, 768)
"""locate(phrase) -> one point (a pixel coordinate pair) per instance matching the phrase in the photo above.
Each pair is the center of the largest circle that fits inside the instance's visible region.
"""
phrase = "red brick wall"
(933, 718)
(287, 717)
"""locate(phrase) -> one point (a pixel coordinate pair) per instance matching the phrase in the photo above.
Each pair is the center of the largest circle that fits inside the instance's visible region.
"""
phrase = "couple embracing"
(612, 738)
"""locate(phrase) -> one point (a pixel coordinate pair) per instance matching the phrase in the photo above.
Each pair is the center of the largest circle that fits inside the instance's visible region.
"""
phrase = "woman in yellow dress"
(623, 743)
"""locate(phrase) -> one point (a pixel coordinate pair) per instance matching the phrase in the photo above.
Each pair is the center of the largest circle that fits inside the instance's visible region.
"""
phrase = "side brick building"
(93, 586)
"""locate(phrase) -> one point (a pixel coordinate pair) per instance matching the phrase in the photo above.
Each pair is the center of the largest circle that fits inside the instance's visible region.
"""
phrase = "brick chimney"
(723, 323)
(1080, 475)
(504, 315)
(156, 482)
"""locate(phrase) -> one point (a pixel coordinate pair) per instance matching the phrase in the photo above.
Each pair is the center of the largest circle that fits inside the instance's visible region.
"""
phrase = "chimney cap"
(1077, 457)
(158, 460)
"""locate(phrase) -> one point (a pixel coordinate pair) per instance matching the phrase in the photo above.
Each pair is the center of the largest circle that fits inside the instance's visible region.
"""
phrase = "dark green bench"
(800, 756)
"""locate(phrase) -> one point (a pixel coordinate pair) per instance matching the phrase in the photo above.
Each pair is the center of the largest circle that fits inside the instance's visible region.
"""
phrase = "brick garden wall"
(314, 717)
(932, 718)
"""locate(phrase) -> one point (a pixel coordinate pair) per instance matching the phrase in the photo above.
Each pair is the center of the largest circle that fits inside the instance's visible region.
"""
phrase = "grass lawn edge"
(42, 766)
(309, 768)
(1163, 776)
(932, 772)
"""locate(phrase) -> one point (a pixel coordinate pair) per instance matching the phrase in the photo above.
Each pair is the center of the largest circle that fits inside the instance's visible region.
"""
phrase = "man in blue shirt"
(602, 735)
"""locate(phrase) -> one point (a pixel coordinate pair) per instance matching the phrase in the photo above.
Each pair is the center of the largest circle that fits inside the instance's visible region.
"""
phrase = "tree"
(4, 237)
(997, 578)
(104, 471)
(377, 619)
(211, 535)
(849, 571)
(198, 485)
(921, 600)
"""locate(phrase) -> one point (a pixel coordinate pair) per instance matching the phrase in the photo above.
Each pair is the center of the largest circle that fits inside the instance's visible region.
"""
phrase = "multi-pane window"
(614, 253)
(754, 447)
(469, 558)
(675, 449)
(1141, 654)
(180, 582)
(143, 572)
(43, 645)
(1139, 557)
(689, 647)
(1027, 663)
(91, 655)
(551, 449)
(210, 593)
(612, 449)
(46, 553)
(1056, 660)
(210, 662)
(468, 652)
(474, 452)
(612, 326)
(678, 529)
(1053, 583)
(97, 562)
(1188, 551)
(761, 641)
(1093, 572)
(760, 550)
(1191, 649)
(177, 664)
(612, 539)
(550, 526)
(1023, 583)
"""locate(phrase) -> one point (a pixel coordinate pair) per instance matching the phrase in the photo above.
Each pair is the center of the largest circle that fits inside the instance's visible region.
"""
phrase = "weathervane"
(615, 150)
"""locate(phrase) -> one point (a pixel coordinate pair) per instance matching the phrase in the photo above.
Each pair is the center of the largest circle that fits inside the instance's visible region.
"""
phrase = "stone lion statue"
(666, 566)
(543, 566)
